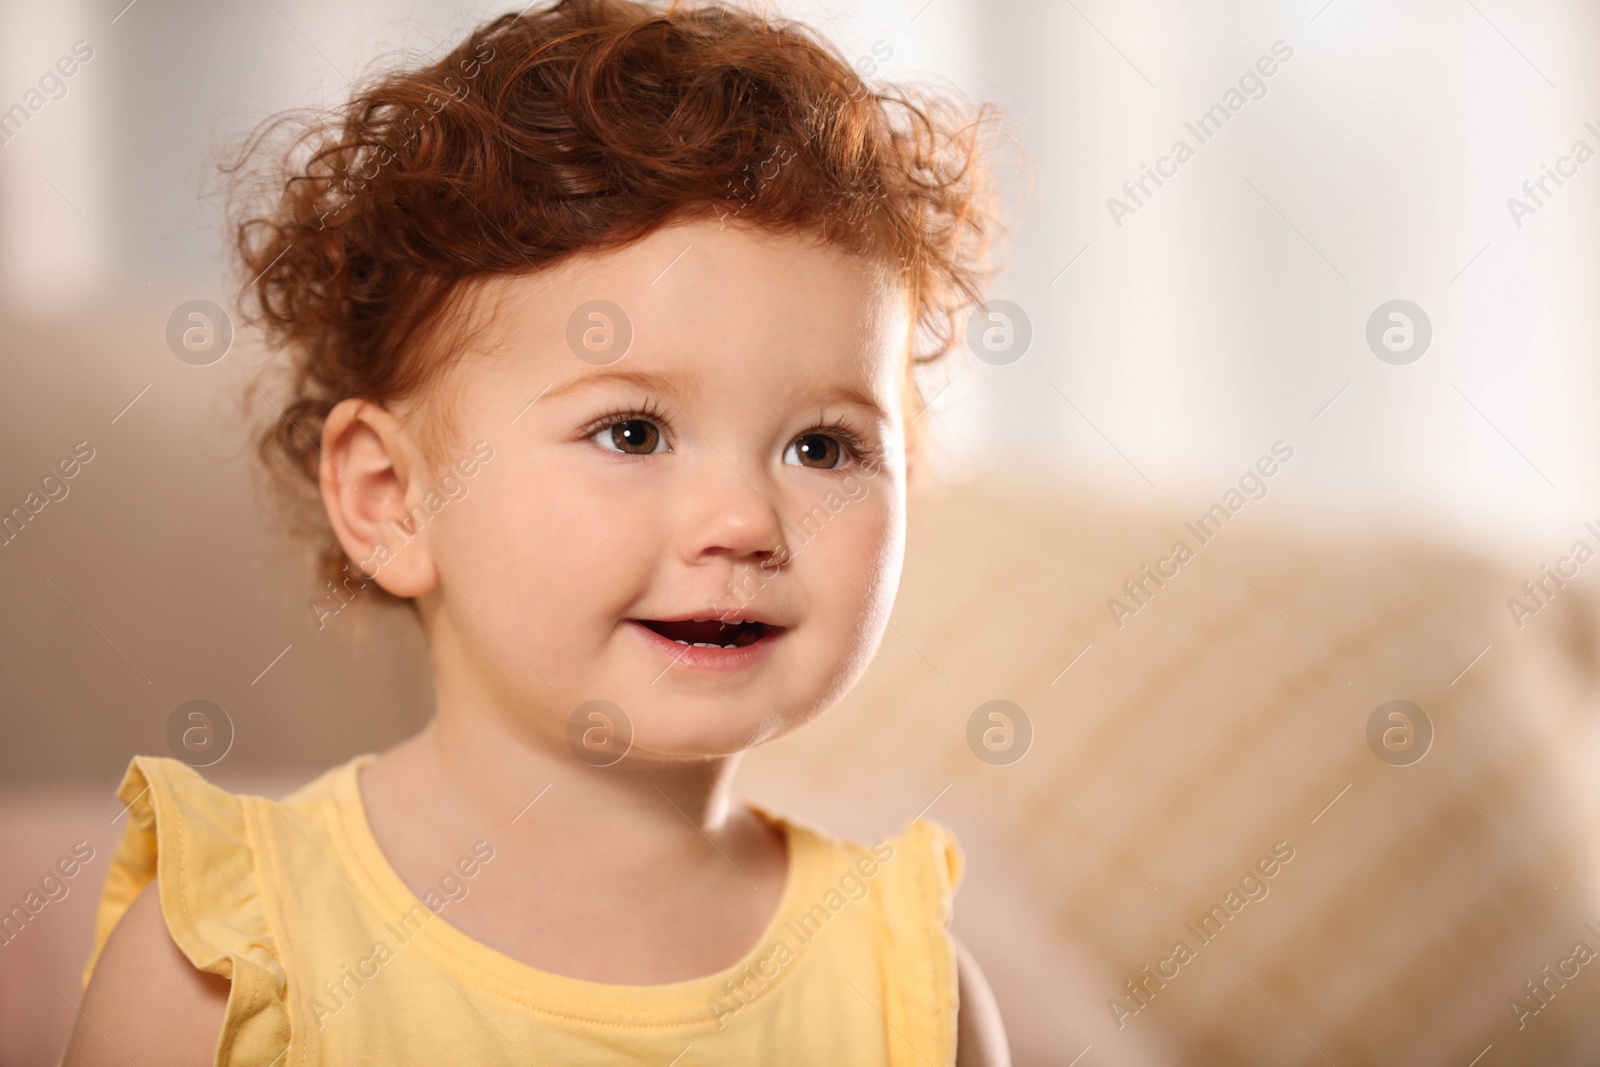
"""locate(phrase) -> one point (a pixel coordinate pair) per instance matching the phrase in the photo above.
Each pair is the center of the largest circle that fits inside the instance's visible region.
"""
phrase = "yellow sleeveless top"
(334, 960)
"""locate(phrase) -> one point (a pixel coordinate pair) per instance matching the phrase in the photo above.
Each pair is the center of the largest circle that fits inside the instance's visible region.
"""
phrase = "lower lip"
(689, 657)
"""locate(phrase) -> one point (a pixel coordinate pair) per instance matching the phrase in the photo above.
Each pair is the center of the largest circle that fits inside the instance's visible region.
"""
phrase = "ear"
(368, 466)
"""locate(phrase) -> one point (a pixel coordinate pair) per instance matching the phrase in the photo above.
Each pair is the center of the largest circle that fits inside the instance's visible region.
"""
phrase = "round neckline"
(667, 1003)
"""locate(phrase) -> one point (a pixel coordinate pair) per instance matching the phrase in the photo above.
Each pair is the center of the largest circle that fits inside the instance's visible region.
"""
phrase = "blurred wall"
(1230, 308)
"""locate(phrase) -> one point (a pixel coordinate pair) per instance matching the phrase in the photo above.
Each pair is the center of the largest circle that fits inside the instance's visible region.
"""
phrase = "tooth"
(680, 642)
(705, 644)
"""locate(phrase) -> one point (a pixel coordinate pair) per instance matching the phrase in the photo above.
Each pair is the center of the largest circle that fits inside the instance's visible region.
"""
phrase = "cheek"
(548, 548)
(851, 570)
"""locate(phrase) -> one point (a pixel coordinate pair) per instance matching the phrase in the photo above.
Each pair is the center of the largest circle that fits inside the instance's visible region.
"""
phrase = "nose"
(731, 515)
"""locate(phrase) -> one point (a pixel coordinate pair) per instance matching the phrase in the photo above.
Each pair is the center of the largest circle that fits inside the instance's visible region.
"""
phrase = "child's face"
(729, 494)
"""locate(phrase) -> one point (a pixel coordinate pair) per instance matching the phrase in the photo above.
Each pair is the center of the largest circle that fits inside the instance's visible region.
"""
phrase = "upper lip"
(732, 618)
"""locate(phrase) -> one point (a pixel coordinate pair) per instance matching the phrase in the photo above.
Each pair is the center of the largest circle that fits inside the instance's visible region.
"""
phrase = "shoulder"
(980, 1034)
(924, 854)
(185, 961)
(146, 1002)
(914, 875)
(191, 838)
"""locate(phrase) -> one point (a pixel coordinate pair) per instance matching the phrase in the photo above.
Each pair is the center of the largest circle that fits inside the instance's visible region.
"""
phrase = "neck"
(495, 764)
(499, 772)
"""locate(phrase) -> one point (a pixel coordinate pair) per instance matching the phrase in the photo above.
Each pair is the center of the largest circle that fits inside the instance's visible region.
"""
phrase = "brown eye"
(816, 450)
(634, 437)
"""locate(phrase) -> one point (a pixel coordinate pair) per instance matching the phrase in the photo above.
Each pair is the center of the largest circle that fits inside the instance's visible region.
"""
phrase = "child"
(602, 333)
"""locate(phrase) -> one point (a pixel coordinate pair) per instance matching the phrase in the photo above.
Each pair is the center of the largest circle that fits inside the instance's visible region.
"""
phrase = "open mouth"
(709, 633)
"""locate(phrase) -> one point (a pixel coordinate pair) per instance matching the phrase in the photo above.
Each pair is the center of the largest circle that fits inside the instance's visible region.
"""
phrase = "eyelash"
(859, 449)
(648, 410)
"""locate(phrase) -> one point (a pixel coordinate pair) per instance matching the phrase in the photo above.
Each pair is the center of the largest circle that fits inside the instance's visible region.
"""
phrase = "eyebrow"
(682, 387)
(677, 386)
(845, 394)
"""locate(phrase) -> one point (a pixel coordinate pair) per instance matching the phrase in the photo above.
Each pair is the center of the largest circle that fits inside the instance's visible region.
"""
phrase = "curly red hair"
(578, 127)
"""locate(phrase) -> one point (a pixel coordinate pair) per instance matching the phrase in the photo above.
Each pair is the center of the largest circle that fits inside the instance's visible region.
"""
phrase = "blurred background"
(1361, 258)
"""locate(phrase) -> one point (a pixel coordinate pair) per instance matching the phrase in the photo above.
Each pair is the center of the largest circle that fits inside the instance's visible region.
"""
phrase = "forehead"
(710, 303)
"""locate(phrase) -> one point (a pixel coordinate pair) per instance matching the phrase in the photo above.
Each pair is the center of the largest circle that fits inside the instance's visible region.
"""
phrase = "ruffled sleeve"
(195, 839)
(921, 880)
(940, 864)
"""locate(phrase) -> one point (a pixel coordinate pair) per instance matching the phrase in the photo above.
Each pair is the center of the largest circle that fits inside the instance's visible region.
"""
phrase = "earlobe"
(365, 470)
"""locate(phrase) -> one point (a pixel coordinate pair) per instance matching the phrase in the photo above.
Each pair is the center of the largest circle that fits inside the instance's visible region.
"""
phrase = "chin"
(708, 728)
(702, 734)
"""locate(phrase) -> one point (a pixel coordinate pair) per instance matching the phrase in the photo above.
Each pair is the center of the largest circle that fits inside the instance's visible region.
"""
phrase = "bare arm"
(980, 1035)
(146, 1003)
